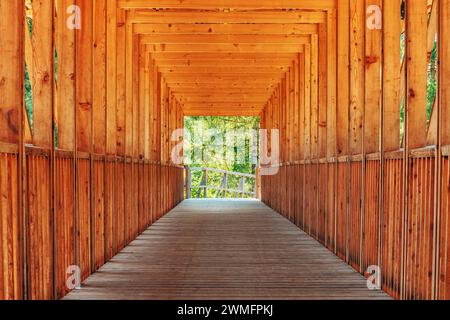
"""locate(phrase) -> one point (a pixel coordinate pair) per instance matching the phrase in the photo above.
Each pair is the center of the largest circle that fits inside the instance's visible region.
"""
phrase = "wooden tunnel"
(364, 158)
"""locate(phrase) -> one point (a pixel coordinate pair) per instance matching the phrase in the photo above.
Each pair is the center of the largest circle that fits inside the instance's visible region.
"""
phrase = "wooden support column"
(13, 266)
(99, 132)
(443, 249)
(64, 195)
(391, 76)
(111, 170)
(357, 68)
(370, 226)
(42, 77)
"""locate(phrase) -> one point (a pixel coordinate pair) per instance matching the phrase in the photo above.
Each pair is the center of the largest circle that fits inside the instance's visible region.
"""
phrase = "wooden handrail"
(222, 190)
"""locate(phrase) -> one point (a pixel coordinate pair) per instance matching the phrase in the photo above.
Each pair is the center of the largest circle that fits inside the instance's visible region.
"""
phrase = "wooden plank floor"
(225, 250)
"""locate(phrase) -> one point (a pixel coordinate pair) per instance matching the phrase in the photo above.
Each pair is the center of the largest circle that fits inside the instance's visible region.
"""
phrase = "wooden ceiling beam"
(226, 29)
(222, 113)
(225, 47)
(230, 63)
(224, 69)
(199, 56)
(233, 39)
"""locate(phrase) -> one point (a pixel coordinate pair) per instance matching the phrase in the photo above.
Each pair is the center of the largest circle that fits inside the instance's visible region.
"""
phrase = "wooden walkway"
(219, 249)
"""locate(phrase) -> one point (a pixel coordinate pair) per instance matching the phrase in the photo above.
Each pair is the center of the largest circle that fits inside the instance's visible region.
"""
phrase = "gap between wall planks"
(73, 189)
(385, 209)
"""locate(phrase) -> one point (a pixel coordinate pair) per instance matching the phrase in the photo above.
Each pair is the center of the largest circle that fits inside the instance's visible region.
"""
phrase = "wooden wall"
(88, 176)
(370, 196)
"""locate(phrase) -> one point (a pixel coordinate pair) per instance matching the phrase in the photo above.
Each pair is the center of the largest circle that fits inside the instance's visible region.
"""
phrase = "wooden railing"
(222, 190)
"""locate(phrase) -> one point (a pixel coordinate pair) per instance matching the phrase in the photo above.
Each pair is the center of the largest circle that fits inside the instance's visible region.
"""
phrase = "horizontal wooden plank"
(225, 38)
(225, 47)
(222, 56)
(223, 69)
(209, 28)
(235, 4)
(230, 63)
(281, 16)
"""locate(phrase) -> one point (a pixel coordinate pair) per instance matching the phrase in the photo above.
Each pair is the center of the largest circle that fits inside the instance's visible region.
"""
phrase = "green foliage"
(242, 126)
(431, 84)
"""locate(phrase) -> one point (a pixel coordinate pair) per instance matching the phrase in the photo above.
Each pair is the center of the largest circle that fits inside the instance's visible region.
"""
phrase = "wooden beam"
(42, 77)
(223, 69)
(226, 29)
(111, 78)
(224, 38)
(224, 47)
(280, 16)
(65, 94)
(120, 94)
(391, 76)
(416, 53)
(444, 71)
(343, 94)
(221, 112)
(201, 56)
(229, 63)
(99, 80)
(332, 124)
(84, 78)
(373, 87)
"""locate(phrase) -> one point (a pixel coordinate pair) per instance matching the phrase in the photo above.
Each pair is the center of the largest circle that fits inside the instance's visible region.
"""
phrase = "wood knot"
(412, 93)
(12, 121)
(46, 77)
(85, 106)
(371, 60)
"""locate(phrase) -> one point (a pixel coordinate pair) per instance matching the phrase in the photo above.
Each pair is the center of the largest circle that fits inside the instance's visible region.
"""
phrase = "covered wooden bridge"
(92, 91)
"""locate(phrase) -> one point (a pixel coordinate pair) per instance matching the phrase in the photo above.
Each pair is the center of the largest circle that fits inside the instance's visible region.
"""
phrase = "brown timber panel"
(418, 277)
(10, 245)
(301, 195)
(120, 191)
(40, 228)
(392, 227)
(444, 252)
(142, 202)
(331, 207)
(341, 213)
(355, 215)
(136, 199)
(84, 217)
(111, 211)
(64, 220)
(128, 202)
(308, 205)
(371, 215)
(322, 202)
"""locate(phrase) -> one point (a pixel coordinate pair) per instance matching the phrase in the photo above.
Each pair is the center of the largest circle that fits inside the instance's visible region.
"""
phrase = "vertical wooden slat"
(391, 75)
(357, 54)
(343, 57)
(416, 57)
(11, 166)
(42, 77)
(11, 27)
